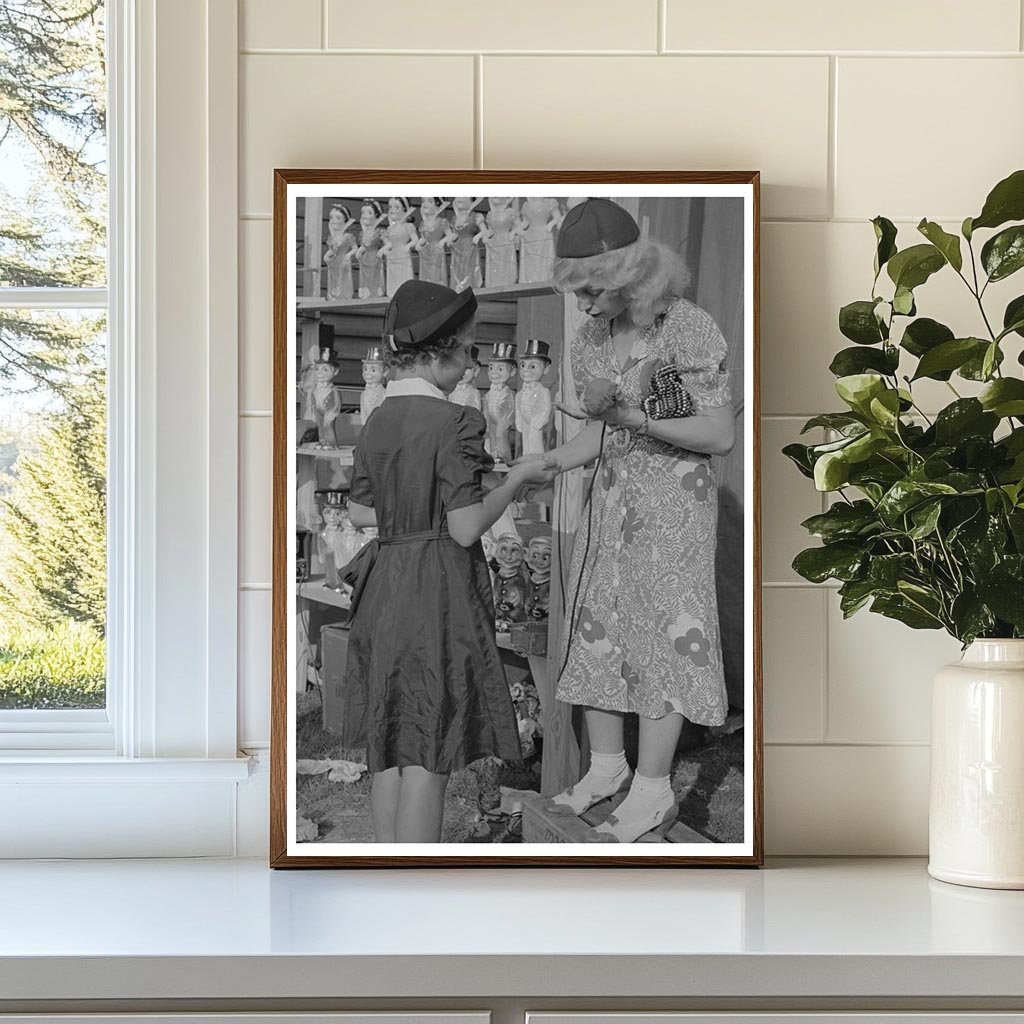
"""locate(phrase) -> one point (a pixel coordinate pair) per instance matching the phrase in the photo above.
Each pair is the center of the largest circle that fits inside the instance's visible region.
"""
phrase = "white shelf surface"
(235, 929)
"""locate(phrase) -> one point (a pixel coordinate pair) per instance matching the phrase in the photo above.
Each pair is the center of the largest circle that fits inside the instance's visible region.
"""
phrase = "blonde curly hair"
(649, 275)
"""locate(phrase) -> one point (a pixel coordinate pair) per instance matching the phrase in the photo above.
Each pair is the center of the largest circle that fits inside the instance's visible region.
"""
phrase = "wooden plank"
(312, 255)
(542, 826)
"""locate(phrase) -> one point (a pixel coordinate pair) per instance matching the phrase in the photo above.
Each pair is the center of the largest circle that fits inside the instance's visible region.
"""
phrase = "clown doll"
(435, 234)
(533, 402)
(500, 402)
(511, 584)
(466, 392)
(538, 562)
(400, 238)
(371, 278)
(338, 257)
(374, 373)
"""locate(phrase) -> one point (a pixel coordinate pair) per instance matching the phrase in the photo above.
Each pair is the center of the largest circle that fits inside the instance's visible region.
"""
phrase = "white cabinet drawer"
(933, 1017)
(362, 1017)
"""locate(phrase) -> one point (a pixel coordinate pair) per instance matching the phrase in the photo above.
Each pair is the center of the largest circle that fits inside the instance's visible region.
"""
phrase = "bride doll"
(435, 234)
(401, 238)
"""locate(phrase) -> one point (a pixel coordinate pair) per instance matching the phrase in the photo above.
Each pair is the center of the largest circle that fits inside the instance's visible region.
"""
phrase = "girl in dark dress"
(425, 689)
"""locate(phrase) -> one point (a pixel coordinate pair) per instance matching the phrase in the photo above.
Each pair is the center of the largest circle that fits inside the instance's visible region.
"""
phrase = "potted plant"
(927, 521)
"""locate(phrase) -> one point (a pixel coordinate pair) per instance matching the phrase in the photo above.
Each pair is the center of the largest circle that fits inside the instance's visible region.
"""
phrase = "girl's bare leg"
(658, 739)
(384, 788)
(420, 806)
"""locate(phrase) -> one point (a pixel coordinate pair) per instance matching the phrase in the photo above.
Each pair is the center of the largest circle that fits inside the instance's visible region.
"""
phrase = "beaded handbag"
(667, 398)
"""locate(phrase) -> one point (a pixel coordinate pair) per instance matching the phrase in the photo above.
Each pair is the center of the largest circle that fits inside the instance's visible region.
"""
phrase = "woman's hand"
(531, 473)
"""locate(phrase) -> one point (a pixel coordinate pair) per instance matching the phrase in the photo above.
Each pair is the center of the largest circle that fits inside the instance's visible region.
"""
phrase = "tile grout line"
(768, 55)
(478, 111)
(825, 709)
(831, 171)
(1020, 24)
(662, 41)
(323, 24)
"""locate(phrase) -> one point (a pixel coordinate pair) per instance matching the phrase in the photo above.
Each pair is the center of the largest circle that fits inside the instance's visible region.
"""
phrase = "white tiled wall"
(909, 110)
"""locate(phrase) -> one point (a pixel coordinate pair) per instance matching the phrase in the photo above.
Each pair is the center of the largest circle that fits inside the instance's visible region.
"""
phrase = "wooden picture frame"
(722, 217)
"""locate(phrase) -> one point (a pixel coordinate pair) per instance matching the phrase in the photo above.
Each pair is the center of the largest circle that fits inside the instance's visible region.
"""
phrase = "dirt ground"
(707, 777)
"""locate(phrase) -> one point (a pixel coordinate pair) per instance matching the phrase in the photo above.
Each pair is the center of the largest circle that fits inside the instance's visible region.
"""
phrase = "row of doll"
(519, 422)
(518, 244)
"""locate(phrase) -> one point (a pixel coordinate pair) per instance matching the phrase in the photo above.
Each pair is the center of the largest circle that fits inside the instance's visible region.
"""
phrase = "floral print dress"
(645, 635)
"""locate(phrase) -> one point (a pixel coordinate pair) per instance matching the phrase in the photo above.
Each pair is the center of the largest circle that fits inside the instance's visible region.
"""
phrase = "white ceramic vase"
(976, 815)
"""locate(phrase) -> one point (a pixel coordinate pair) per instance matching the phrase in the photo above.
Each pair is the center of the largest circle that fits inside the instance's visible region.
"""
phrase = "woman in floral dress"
(644, 635)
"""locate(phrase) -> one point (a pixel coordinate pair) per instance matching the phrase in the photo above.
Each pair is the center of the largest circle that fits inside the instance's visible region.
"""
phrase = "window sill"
(75, 766)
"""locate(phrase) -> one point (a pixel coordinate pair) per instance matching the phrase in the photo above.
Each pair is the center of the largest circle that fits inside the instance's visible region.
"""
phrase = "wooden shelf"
(377, 306)
(314, 590)
(343, 455)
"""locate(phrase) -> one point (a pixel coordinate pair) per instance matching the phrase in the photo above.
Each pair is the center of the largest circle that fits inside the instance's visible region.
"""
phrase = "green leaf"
(839, 561)
(974, 368)
(885, 236)
(843, 521)
(1004, 397)
(923, 335)
(907, 494)
(947, 244)
(858, 389)
(885, 410)
(831, 471)
(970, 617)
(1006, 599)
(925, 518)
(850, 361)
(799, 455)
(854, 594)
(840, 421)
(966, 417)
(1013, 317)
(912, 267)
(949, 355)
(966, 229)
(990, 361)
(1003, 254)
(886, 571)
(1005, 202)
(903, 302)
(857, 321)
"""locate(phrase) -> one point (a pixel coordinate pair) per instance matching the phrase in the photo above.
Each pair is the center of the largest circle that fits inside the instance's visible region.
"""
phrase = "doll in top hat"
(425, 691)
(500, 402)
(643, 634)
(374, 372)
(466, 392)
(533, 400)
(323, 403)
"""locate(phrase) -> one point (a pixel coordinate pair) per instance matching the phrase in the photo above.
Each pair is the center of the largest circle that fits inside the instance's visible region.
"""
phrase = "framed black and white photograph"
(516, 561)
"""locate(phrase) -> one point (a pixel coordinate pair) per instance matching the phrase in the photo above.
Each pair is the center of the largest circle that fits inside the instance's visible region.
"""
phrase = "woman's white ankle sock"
(608, 775)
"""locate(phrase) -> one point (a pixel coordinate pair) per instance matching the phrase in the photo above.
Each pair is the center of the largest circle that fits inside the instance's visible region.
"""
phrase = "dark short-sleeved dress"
(424, 681)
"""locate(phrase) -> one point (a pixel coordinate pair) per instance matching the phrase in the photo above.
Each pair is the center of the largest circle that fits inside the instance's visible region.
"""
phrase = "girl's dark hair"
(406, 358)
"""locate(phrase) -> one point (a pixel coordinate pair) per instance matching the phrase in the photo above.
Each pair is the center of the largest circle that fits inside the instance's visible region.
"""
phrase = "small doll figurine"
(400, 238)
(371, 277)
(511, 583)
(465, 392)
(435, 234)
(374, 372)
(338, 257)
(533, 402)
(323, 403)
(500, 402)
(538, 219)
(329, 539)
(538, 559)
(500, 237)
(465, 255)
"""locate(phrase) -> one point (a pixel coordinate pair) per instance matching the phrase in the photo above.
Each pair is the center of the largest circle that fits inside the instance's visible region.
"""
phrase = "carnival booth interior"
(351, 255)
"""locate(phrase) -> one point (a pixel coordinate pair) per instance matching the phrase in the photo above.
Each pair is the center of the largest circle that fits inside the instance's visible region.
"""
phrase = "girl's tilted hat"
(421, 312)
(594, 227)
